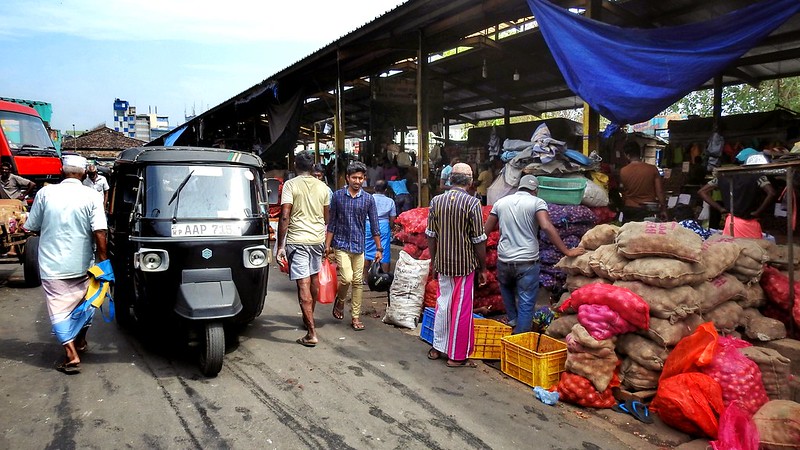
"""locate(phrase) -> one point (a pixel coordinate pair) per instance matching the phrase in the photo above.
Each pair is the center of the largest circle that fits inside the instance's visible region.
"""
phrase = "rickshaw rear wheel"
(214, 349)
(30, 262)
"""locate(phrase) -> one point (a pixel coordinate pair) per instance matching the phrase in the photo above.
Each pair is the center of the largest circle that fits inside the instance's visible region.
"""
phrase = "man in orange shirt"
(641, 184)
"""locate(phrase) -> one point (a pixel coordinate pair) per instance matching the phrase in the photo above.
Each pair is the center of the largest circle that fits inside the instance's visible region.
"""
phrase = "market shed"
(481, 60)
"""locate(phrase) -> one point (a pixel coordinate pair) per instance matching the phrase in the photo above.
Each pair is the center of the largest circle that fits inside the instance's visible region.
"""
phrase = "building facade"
(144, 127)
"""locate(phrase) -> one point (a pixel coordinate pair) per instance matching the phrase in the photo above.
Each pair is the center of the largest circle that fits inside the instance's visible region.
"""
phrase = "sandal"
(338, 309)
(635, 408)
(465, 363)
(433, 353)
(69, 368)
(357, 325)
(306, 342)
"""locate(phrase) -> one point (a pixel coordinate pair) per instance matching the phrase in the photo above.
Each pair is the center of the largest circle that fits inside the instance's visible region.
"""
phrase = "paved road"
(370, 389)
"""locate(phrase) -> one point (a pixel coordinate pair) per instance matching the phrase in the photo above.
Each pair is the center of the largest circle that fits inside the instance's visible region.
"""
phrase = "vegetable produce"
(629, 306)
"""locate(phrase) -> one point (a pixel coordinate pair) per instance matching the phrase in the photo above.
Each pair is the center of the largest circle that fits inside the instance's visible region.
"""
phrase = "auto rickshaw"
(188, 241)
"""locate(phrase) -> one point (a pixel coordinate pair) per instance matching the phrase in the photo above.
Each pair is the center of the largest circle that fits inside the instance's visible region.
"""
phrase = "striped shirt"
(347, 218)
(455, 220)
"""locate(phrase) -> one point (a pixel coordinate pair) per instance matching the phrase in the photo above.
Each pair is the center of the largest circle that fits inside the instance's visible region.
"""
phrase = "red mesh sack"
(578, 390)
(628, 305)
(776, 286)
(418, 239)
(491, 259)
(414, 220)
(431, 292)
(412, 250)
(692, 352)
(690, 402)
(426, 254)
(737, 431)
(738, 376)
(603, 322)
(492, 239)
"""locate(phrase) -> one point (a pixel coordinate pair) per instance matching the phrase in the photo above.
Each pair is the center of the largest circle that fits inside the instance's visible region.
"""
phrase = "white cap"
(756, 159)
(74, 161)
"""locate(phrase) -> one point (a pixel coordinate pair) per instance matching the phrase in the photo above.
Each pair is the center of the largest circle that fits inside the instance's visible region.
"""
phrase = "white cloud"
(206, 21)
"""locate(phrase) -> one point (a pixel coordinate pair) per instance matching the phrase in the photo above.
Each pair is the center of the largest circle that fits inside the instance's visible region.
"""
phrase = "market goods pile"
(12, 216)
(694, 291)
(571, 222)
(412, 233)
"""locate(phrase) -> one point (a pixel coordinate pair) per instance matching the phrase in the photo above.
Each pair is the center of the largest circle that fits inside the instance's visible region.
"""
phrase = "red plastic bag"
(578, 390)
(692, 352)
(737, 431)
(738, 376)
(690, 402)
(327, 282)
(628, 305)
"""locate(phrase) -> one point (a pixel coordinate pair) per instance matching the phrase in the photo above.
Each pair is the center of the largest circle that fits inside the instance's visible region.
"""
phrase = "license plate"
(206, 229)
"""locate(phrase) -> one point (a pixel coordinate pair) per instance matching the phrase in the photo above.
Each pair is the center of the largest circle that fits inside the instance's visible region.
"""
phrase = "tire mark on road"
(67, 426)
(199, 403)
(441, 420)
(307, 431)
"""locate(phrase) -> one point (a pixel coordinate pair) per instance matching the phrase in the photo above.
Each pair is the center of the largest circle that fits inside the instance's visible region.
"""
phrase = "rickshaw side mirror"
(273, 186)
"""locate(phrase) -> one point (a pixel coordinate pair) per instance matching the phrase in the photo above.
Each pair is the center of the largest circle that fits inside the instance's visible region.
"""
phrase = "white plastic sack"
(407, 291)
(594, 195)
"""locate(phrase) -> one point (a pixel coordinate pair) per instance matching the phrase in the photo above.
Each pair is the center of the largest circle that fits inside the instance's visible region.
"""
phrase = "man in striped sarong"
(457, 244)
(71, 221)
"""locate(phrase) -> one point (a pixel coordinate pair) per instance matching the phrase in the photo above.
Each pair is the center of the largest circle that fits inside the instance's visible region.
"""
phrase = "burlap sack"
(750, 264)
(606, 262)
(598, 370)
(778, 256)
(663, 272)
(718, 291)
(775, 371)
(719, 256)
(579, 340)
(671, 304)
(562, 326)
(576, 281)
(667, 334)
(637, 378)
(726, 317)
(778, 424)
(603, 234)
(576, 265)
(754, 297)
(669, 239)
(645, 352)
(758, 327)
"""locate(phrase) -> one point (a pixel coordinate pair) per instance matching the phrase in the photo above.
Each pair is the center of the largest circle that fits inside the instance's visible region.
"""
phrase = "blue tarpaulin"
(170, 140)
(629, 75)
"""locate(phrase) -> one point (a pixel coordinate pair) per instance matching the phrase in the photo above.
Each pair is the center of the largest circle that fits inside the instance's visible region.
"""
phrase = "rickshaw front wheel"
(214, 349)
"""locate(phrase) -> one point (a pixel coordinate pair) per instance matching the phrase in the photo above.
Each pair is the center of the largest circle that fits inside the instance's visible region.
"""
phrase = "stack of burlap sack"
(684, 280)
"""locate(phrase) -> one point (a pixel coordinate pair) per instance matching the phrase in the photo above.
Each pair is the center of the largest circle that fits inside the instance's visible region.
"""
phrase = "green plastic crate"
(562, 191)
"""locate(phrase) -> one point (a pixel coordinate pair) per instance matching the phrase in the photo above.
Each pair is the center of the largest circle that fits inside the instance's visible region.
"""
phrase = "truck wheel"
(30, 262)
(214, 349)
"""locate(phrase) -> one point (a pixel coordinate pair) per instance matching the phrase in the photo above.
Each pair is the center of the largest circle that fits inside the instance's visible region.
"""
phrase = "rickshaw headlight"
(152, 260)
(256, 257)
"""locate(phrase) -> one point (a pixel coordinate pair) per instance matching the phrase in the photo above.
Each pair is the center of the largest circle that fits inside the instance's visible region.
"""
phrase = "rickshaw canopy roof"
(188, 155)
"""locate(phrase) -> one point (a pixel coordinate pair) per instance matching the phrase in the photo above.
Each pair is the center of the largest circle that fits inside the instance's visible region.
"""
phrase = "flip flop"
(83, 347)
(466, 363)
(357, 325)
(69, 368)
(338, 313)
(305, 342)
(639, 411)
(434, 354)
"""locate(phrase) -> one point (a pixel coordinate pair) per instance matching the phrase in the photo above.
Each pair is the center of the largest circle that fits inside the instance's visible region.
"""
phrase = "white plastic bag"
(407, 292)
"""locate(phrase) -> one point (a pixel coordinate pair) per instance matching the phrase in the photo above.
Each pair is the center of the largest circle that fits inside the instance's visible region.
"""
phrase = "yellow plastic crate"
(488, 333)
(533, 358)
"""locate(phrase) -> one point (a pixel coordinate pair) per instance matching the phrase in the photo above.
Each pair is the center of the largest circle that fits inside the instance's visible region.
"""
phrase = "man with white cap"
(457, 245)
(70, 219)
(520, 217)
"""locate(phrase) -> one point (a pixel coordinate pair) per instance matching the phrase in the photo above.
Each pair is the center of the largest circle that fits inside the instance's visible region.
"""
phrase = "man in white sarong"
(71, 221)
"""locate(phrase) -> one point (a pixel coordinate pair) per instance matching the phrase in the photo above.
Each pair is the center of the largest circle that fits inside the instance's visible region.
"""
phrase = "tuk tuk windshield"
(217, 192)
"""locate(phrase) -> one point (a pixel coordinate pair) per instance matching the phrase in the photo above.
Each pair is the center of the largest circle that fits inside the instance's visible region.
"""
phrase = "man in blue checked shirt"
(350, 206)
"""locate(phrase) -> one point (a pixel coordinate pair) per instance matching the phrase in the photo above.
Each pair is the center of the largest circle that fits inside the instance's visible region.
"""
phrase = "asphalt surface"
(369, 389)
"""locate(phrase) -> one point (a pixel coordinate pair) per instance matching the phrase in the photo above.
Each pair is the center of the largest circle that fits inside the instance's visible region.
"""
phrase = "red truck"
(26, 144)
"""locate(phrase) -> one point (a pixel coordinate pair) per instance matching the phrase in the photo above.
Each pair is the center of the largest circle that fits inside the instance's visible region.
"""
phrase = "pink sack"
(738, 376)
(631, 307)
(603, 322)
(737, 430)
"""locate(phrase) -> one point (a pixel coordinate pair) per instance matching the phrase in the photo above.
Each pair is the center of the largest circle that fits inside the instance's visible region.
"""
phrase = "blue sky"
(172, 55)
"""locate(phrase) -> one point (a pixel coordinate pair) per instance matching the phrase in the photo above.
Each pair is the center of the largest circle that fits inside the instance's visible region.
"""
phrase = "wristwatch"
(379, 249)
